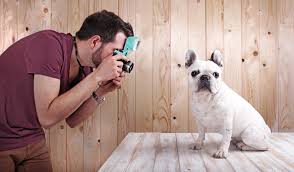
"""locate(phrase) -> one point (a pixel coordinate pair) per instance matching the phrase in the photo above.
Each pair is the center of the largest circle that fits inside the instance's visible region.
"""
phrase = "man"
(47, 77)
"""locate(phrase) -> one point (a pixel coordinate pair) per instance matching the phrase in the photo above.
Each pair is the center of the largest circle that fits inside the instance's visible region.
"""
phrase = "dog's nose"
(205, 78)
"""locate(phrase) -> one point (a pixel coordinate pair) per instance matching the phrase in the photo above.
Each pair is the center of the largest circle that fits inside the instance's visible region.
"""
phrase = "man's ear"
(190, 58)
(95, 40)
(217, 57)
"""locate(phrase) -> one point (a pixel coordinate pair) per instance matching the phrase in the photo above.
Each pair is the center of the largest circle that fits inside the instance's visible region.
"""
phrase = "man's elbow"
(70, 123)
(46, 123)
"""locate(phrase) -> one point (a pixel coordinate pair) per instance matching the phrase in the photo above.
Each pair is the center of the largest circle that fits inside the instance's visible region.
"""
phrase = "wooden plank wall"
(255, 36)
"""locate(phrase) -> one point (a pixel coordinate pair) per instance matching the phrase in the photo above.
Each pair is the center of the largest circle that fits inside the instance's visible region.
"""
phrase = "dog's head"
(204, 75)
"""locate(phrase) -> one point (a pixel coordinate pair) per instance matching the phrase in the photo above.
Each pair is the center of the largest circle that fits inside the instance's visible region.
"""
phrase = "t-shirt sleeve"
(44, 56)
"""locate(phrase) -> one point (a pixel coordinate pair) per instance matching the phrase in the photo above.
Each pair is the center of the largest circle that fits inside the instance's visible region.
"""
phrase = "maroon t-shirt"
(47, 53)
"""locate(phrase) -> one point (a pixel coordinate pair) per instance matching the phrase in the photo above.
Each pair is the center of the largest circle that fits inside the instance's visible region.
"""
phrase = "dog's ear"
(217, 57)
(190, 58)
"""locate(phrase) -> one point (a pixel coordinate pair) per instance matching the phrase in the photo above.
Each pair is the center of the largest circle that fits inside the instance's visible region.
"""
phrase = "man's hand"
(110, 68)
(110, 85)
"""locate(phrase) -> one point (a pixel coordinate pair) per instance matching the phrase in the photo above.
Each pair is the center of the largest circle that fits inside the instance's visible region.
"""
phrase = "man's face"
(106, 49)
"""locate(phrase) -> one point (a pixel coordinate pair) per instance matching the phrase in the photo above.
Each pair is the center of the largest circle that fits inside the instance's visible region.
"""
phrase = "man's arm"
(82, 113)
(90, 105)
(52, 108)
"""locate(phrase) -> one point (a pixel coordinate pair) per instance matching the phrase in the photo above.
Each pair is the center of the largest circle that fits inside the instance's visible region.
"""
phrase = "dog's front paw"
(221, 154)
(196, 146)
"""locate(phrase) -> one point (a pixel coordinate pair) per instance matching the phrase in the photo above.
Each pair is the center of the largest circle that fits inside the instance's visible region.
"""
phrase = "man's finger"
(118, 83)
(117, 79)
(121, 57)
(123, 74)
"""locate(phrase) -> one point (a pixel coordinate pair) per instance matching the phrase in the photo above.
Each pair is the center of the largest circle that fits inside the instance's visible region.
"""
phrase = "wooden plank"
(283, 144)
(94, 6)
(110, 5)
(197, 42)
(121, 157)
(166, 153)
(161, 66)
(214, 26)
(232, 44)
(171, 152)
(250, 52)
(265, 162)
(58, 144)
(144, 66)
(127, 97)
(236, 158)
(109, 108)
(145, 154)
(9, 23)
(211, 143)
(75, 142)
(190, 160)
(1, 26)
(92, 141)
(33, 16)
(288, 136)
(285, 85)
(179, 77)
(268, 61)
(282, 155)
(240, 163)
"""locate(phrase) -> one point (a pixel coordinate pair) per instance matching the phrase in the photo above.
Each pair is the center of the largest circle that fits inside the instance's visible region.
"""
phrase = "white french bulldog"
(218, 108)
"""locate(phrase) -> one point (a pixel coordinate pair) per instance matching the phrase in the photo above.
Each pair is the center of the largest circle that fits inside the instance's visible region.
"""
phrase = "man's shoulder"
(51, 34)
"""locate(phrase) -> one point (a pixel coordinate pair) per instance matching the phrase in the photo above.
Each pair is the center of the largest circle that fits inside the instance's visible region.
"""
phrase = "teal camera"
(131, 44)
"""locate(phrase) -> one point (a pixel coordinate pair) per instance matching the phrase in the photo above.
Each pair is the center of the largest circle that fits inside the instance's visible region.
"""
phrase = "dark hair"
(105, 24)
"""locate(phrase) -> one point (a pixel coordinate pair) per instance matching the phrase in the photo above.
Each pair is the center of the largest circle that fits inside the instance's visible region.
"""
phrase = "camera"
(131, 44)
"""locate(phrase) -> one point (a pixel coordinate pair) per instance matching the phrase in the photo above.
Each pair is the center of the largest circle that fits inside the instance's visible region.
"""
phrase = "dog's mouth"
(204, 86)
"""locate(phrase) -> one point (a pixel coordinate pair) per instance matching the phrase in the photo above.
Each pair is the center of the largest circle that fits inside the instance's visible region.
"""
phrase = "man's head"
(102, 33)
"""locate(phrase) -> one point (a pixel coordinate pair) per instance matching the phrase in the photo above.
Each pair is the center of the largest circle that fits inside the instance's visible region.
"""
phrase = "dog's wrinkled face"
(204, 75)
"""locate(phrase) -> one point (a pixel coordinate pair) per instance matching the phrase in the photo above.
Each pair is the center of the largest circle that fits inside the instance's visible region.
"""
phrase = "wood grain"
(268, 61)
(127, 93)
(144, 67)
(144, 157)
(232, 44)
(172, 152)
(285, 90)
(250, 52)
(214, 26)
(161, 66)
(9, 23)
(189, 159)
(179, 77)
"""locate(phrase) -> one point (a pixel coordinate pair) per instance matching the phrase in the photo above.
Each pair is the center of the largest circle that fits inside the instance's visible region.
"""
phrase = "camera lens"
(128, 66)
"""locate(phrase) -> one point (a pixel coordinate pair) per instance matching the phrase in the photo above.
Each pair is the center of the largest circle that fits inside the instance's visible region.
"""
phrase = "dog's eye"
(216, 74)
(194, 73)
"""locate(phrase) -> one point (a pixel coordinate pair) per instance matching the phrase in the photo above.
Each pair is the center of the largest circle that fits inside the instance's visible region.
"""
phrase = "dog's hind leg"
(254, 138)
(242, 146)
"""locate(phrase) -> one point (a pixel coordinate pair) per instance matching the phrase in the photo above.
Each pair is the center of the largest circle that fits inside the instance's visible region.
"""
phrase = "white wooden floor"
(162, 152)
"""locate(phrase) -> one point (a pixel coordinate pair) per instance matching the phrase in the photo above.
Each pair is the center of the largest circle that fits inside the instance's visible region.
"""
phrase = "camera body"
(131, 44)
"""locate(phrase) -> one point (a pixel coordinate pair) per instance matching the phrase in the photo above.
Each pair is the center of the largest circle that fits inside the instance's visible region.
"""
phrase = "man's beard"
(96, 57)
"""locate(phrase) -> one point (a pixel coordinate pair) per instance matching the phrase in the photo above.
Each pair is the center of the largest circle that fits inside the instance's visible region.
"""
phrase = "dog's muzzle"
(204, 83)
